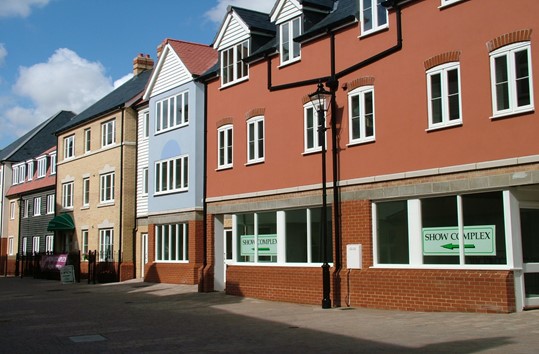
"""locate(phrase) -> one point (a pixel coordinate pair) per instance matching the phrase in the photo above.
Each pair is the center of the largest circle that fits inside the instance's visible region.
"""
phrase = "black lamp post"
(320, 100)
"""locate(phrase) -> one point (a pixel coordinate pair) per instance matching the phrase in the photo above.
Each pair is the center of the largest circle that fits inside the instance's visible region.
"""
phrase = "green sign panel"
(267, 245)
(445, 241)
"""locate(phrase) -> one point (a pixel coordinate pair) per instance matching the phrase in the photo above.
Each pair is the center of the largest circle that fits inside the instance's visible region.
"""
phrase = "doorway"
(144, 255)
(529, 225)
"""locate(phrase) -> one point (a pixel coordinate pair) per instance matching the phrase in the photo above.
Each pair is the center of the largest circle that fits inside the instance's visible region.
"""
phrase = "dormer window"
(41, 167)
(233, 68)
(373, 16)
(290, 50)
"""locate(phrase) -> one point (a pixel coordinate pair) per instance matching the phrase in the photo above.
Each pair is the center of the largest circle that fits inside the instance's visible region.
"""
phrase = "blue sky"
(66, 54)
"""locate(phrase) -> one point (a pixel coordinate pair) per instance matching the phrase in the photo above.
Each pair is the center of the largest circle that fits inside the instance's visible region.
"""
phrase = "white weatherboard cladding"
(172, 74)
(142, 162)
(235, 33)
(290, 10)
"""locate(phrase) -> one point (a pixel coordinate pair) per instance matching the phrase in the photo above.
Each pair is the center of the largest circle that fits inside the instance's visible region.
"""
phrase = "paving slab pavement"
(43, 316)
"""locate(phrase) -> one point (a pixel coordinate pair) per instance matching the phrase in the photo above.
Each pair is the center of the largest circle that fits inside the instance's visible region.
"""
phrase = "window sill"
(445, 126)
(289, 62)
(274, 264)
(158, 194)
(312, 152)
(224, 168)
(164, 131)
(511, 114)
(85, 207)
(443, 267)
(105, 204)
(172, 262)
(361, 142)
(254, 162)
(449, 4)
(233, 83)
(374, 31)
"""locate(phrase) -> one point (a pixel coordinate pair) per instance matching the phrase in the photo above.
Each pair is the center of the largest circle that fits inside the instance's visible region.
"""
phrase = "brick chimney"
(141, 63)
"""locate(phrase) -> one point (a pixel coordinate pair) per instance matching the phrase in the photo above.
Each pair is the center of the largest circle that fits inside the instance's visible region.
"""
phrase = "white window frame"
(146, 123)
(86, 191)
(255, 142)
(49, 243)
(373, 11)
(172, 230)
(35, 244)
(69, 147)
(10, 245)
(169, 116)
(30, 168)
(22, 173)
(51, 202)
(15, 175)
(53, 163)
(41, 167)
(67, 195)
(145, 181)
(509, 52)
(361, 93)
(172, 185)
(87, 140)
(443, 70)
(106, 245)
(24, 245)
(37, 206)
(12, 210)
(26, 208)
(287, 45)
(225, 140)
(312, 132)
(108, 133)
(233, 70)
(84, 241)
(106, 187)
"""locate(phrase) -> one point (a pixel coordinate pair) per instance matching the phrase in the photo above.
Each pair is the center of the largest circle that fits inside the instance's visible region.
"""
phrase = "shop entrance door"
(529, 224)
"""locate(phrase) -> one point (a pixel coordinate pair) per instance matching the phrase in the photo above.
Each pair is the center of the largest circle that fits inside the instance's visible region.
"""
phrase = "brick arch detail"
(255, 112)
(509, 38)
(362, 81)
(224, 121)
(443, 58)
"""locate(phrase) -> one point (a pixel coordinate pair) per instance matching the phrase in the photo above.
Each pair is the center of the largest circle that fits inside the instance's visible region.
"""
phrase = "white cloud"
(65, 82)
(122, 80)
(3, 54)
(217, 13)
(19, 8)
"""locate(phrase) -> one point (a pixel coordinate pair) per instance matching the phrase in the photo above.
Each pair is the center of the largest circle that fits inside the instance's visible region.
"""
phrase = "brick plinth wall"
(429, 290)
(289, 284)
(127, 271)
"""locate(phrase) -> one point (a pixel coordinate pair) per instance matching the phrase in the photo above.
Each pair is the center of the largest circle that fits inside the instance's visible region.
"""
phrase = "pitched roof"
(36, 140)
(114, 100)
(198, 58)
(255, 21)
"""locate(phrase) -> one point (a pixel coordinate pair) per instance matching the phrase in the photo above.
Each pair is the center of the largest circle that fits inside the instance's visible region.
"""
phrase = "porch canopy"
(61, 222)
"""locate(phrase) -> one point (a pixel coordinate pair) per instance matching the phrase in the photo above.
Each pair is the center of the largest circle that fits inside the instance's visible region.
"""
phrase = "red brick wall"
(176, 273)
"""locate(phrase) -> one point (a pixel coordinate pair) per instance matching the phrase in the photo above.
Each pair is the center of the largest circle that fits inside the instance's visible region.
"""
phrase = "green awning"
(61, 222)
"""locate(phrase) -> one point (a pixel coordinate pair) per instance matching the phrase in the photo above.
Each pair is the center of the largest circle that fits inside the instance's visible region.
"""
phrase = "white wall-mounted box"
(353, 256)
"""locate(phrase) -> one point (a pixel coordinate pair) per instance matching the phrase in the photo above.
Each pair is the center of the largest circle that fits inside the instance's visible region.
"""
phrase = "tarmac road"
(43, 316)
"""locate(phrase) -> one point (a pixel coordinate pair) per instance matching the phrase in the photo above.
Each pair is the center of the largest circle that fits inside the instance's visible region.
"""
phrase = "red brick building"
(432, 157)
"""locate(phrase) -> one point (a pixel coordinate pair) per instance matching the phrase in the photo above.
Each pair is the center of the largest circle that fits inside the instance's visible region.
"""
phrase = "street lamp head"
(321, 98)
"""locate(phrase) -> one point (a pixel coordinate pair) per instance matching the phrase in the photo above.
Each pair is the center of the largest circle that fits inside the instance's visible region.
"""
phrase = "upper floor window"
(443, 89)
(69, 147)
(30, 165)
(289, 49)
(225, 146)
(86, 192)
(15, 176)
(145, 181)
(255, 139)
(50, 203)
(511, 77)
(87, 140)
(108, 133)
(373, 16)
(67, 195)
(106, 191)
(12, 210)
(146, 123)
(53, 163)
(314, 130)
(172, 175)
(172, 112)
(22, 173)
(37, 206)
(361, 114)
(233, 68)
(41, 167)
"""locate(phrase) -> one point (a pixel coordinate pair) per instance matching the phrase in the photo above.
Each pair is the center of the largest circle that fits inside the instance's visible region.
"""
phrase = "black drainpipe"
(201, 285)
